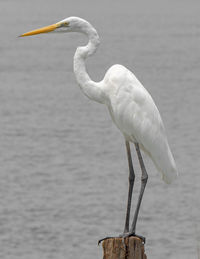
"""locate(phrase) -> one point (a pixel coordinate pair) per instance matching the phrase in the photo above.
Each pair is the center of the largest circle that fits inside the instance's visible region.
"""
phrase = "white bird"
(131, 107)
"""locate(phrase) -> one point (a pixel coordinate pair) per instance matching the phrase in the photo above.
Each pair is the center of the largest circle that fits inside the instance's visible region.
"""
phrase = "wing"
(136, 115)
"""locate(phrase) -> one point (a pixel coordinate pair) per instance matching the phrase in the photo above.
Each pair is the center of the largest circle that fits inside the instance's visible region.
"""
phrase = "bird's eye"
(65, 24)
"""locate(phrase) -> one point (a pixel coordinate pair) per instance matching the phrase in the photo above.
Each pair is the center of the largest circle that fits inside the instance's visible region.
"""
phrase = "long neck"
(90, 88)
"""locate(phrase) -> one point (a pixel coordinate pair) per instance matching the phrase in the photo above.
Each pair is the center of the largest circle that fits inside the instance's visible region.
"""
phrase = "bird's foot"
(132, 234)
(125, 235)
(100, 240)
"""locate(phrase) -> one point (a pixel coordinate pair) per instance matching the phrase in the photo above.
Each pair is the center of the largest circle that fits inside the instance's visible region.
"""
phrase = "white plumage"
(137, 117)
(130, 105)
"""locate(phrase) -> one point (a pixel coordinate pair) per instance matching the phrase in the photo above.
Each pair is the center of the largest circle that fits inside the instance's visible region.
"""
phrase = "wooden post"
(130, 248)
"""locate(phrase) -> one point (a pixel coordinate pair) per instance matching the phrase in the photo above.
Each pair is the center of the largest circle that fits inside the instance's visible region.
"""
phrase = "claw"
(99, 242)
(134, 235)
(123, 236)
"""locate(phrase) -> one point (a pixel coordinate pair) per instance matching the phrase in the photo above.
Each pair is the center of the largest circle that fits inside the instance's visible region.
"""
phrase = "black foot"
(124, 235)
(99, 241)
(129, 234)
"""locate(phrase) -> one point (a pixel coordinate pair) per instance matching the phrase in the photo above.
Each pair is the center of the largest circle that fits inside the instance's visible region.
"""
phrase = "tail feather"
(165, 165)
(170, 176)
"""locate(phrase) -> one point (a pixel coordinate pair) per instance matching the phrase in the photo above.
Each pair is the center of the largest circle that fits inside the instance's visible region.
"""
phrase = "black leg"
(144, 179)
(131, 183)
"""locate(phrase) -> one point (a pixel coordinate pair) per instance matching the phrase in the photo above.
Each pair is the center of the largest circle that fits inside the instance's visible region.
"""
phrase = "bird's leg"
(144, 179)
(131, 183)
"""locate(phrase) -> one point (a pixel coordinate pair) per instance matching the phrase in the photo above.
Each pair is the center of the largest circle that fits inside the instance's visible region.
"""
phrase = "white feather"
(137, 117)
(131, 106)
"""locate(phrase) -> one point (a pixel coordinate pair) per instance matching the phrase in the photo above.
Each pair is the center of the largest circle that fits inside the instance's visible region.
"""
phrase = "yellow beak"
(41, 30)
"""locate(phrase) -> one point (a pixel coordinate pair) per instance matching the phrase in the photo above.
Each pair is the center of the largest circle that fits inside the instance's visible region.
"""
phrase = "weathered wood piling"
(119, 248)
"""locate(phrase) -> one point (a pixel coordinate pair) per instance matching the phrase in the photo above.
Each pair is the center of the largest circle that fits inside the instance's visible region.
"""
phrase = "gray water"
(63, 166)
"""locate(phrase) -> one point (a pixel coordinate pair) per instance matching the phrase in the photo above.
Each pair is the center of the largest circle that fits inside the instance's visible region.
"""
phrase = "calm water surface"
(63, 165)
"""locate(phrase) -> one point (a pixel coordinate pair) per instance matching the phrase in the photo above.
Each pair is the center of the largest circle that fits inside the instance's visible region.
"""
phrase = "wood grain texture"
(130, 248)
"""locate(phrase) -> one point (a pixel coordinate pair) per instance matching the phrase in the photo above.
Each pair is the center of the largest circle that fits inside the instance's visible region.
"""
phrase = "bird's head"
(70, 24)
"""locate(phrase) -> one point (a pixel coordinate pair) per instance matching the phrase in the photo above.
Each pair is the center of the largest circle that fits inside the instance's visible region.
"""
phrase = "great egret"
(131, 107)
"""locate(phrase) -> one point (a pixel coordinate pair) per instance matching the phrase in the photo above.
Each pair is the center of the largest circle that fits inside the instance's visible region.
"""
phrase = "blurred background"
(63, 166)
